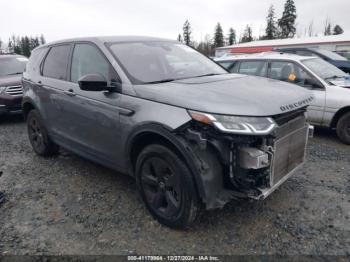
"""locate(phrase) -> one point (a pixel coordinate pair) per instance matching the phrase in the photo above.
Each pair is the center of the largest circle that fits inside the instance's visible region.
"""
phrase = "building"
(335, 43)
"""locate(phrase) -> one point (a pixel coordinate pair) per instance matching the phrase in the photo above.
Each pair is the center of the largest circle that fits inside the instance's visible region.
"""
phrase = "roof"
(293, 41)
(110, 39)
(266, 55)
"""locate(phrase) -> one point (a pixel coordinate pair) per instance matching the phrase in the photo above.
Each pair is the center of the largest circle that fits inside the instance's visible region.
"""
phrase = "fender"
(170, 136)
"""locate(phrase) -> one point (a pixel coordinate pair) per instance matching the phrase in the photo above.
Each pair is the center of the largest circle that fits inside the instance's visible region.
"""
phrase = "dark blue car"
(329, 56)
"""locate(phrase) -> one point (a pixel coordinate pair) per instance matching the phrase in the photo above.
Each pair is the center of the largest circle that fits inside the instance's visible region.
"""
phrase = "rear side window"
(87, 59)
(257, 68)
(55, 65)
(34, 59)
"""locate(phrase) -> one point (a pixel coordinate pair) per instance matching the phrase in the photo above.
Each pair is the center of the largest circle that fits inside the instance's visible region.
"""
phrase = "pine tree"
(218, 36)
(271, 29)
(34, 42)
(231, 36)
(327, 27)
(287, 22)
(337, 30)
(247, 35)
(187, 31)
(179, 38)
(42, 39)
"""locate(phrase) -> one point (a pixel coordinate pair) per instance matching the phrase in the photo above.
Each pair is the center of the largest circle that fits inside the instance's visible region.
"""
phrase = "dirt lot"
(67, 205)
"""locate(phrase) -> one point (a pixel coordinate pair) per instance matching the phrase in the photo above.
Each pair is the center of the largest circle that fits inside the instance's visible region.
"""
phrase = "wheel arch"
(157, 133)
(338, 115)
(27, 106)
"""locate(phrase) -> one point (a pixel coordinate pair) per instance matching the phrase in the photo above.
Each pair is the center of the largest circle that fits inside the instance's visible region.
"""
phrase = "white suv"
(330, 85)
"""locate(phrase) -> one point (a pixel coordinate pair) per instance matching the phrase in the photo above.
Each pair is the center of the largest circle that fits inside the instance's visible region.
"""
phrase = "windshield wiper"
(17, 73)
(212, 74)
(333, 77)
(162, 81)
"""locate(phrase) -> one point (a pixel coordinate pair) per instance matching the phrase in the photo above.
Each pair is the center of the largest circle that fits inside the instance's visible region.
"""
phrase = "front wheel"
(166, 186)
(38, 136)
(343, 128)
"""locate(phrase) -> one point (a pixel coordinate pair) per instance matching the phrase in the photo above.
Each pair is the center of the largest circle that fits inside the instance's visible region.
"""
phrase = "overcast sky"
(58, 19)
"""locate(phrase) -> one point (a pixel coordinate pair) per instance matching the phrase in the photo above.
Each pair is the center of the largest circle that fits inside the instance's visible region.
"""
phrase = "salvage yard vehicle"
(330, 85)
(331, 57)
(11, 69)
(191, 134)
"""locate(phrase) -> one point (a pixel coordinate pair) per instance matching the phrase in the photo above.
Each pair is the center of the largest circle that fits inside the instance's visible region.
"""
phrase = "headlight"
(236, 124)
(2, 89)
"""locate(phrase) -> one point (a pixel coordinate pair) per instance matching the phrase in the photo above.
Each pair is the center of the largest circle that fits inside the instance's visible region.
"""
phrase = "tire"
(38, 136)
(166, 186)
(343, 128)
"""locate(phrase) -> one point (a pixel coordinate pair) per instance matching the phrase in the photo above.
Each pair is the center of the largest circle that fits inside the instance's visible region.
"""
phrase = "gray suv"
(193, 135)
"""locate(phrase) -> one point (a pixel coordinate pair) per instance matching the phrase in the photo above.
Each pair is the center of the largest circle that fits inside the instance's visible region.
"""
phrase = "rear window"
(55, 65)
(12, 65)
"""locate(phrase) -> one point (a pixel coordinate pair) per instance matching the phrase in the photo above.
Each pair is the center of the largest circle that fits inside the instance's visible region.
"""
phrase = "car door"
(53, 85)
(294, 73)
(94, 114)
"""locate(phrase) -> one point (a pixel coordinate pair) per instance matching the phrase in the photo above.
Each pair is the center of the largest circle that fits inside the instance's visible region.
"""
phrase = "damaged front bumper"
(244, 166)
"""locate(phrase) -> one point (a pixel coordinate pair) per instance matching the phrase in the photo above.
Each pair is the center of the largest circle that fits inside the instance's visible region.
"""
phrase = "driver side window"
(87, 59)
(289, 72)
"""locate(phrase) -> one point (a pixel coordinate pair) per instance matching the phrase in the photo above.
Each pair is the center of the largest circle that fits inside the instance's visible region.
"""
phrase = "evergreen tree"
(187, 31)
(271, 29)
(42, 39)
(218, 36)
(25, 46)
(327, 27)
(179, 38)
(206, 47)
(287, 22)
(247, 35)
(231, 36)
(34, 42)
(337, 30)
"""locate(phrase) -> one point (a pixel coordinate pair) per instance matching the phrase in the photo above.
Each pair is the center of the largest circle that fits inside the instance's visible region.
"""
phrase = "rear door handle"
(70, 92)
(40, 83)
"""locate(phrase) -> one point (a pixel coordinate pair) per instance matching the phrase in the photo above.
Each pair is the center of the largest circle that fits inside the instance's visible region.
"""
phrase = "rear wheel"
(343, 128)
(166, 186)
(38, 135)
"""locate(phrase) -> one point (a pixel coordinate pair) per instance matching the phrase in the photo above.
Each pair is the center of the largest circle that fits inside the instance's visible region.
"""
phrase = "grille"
(14, 90)
(289, 153)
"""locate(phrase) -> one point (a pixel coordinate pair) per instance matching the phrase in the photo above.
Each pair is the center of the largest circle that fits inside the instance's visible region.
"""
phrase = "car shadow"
(11, 119)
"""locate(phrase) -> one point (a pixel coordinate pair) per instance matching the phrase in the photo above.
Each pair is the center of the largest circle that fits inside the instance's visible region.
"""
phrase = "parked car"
(330, 86)
(11, 69)
(190, 133)
(335, 59)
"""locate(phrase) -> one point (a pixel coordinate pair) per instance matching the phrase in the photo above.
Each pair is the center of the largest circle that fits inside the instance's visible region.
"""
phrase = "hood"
(341, 82)
(229, 94)
(11, 80)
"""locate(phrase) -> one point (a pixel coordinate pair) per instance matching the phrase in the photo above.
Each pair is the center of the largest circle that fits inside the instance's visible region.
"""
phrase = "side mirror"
(93, 82)
(313, 83)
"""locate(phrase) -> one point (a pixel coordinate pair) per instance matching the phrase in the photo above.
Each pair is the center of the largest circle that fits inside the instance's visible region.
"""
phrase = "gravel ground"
(67, 205)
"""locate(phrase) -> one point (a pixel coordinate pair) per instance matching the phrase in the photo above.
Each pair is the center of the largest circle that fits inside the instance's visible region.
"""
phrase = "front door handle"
(70, 92)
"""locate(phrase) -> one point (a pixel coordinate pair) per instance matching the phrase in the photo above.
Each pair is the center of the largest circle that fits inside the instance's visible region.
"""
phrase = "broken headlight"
(236, 124)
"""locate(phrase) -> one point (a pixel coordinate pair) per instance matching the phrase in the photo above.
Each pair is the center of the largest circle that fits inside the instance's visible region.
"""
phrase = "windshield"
(150, 62)
(12, 65)
(323, 69)
(330, 55)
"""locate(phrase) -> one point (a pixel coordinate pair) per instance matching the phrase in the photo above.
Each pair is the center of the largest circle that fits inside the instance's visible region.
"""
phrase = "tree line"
(22, 45)
(282, 28)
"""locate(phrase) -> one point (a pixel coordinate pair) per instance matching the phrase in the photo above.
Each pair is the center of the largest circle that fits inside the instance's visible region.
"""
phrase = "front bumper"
(252, 166)
(10, 104)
